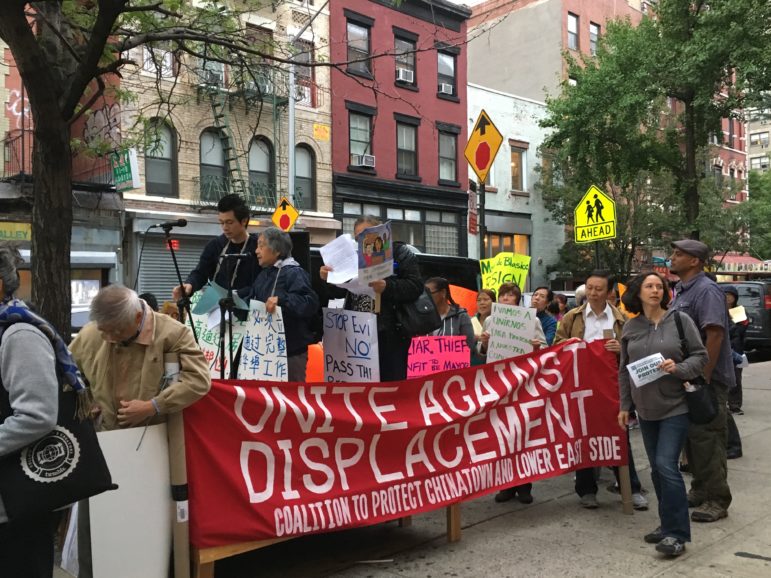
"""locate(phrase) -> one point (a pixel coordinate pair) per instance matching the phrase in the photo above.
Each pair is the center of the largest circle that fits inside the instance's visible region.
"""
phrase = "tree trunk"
(52, 223)
(691, 188)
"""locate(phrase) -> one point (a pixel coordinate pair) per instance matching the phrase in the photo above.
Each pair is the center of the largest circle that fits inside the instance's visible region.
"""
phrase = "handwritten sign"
(646, 370)
(376, 253)
(433, 353)
(511, 330)
(263, 355)
(350, 346)
(504, 268)
(209, 338)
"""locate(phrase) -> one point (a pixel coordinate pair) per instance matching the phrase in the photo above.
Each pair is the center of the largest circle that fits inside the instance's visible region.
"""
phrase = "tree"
(757, 212)
(617, 126)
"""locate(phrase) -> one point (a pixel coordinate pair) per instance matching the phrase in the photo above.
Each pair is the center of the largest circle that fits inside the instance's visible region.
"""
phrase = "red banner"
(275, 459)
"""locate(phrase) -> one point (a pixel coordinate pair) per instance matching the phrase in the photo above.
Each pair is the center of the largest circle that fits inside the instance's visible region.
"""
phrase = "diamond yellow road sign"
(285, 215)
(482, 146)
(594, 217)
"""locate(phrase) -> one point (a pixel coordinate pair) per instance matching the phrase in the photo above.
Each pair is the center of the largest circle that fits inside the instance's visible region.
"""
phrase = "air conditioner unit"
(405, 75)
(210, 77)
(445, 88)
(363, 161)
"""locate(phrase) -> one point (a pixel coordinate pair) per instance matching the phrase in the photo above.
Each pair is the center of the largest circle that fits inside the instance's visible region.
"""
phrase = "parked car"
(755, 297)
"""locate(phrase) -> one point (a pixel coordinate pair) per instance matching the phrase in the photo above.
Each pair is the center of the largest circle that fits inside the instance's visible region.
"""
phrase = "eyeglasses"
(434, 291)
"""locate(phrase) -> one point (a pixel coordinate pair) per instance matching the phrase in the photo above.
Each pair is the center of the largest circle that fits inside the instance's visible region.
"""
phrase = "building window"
(214, 182)
(261, 174)
(572, 31)
(594, 36)
(759, 163)
(448, 157)
(405, 61)
(158, 61)
(360, 136)
(517, 169)
(731, 133)
(211, 73)
(304, 178)
(304, 73)
(160, 161)
(406, 150)
(505, 242)
(358, 49)
(759, 139)
(446, 74)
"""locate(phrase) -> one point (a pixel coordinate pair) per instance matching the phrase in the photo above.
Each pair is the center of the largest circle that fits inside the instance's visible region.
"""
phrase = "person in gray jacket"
(455, 319)
(29, 403)
(661, 405)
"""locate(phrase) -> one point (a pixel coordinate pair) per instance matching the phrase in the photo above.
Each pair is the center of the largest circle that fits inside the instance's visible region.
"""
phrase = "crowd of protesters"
(650, 318)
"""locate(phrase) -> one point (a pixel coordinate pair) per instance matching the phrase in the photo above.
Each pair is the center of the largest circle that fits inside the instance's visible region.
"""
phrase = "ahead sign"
(594, 217)
(483, 145)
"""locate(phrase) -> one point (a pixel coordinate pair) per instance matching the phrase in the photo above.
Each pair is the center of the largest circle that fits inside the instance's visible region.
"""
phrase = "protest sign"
(263, 355)
(511, 330)
(646, 370)
(350, 346)
(433, 353)
(376, 253)
(504, 268)
(288, 460)
(209, 337)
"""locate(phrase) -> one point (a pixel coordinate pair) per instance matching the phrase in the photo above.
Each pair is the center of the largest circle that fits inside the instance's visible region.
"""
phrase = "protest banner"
(350, 346)
(433, 353)
(504, 268)
(289, 460)
(263, 355)
(376, 253)
(511, 330)
(207, 329)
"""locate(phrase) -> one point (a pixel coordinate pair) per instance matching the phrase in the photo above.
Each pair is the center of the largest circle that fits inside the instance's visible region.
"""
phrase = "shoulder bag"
(419, 317)
(700, 396)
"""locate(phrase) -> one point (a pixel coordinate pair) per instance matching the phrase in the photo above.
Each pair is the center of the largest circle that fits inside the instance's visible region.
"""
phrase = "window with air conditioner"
(211, 73)
(360, 140)
(446, 73)
(304, 71)
(404, 55)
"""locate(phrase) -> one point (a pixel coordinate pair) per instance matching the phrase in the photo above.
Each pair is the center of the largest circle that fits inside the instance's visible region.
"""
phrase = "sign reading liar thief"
(350, 346)
(433, 353)
(263, 355)
(294, 459)
(504, 268)
(209, 336)
(511, 330)
(594, 217)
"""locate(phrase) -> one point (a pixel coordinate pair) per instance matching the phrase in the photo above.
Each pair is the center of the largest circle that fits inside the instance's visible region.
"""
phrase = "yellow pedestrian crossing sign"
(594, 217)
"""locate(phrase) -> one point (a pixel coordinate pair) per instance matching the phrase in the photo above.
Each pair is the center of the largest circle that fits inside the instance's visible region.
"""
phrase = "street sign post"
(285, 215)
(594, 217)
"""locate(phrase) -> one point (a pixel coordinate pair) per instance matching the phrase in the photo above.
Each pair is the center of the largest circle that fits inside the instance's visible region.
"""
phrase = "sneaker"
(505, 495)
(589, 501)
(694, 500)
(639, 502)
(671, 546)
(733, 454)
(524, 496)
(709, 512)
(736, 410)
(654, 537)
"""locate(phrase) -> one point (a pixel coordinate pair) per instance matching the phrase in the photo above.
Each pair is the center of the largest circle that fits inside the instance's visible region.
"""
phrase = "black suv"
(755, 297)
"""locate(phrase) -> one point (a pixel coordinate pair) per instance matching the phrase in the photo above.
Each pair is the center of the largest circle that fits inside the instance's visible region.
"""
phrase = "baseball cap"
(693, 247)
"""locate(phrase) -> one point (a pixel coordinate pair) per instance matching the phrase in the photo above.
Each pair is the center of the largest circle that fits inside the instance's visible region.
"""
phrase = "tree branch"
(87, 106)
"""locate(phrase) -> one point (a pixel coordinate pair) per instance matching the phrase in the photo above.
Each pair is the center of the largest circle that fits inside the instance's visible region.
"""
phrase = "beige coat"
(95, 357)
(573, 324)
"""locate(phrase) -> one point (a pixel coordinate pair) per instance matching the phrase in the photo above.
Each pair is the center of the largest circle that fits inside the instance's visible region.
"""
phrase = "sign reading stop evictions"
(482, 146)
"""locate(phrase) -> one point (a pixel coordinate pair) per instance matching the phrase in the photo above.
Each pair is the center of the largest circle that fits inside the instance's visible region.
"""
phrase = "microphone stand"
(227, 305)
(183, 304)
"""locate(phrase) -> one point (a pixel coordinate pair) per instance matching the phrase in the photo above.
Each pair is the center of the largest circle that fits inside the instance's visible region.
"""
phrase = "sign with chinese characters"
(207, 329)
(263, 354)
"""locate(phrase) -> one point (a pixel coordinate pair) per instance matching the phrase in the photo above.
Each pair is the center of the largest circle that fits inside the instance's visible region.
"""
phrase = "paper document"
(341, 256)
(646, 370)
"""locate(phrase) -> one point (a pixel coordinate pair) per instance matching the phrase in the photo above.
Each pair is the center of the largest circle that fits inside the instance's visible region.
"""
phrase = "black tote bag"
(701, 399)
(419, 317)
(62, 467)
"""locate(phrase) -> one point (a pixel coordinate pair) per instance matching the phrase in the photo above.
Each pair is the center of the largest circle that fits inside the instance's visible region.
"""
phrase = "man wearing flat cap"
(703, 300)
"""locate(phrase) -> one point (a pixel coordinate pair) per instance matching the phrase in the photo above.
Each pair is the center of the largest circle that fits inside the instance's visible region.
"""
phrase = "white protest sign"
(350, 346)
(135, 518)
(209, 338)
(647, 369)
(511, 330)
(263, 355)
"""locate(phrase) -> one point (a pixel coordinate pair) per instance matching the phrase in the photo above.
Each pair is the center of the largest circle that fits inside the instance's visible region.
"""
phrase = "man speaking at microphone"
(233, 273)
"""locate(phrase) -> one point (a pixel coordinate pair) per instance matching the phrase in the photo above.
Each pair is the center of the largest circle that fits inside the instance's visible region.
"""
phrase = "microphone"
(237, 256)
(170, 224)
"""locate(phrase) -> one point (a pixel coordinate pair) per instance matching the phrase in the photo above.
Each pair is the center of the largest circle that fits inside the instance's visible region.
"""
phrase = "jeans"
(664, 440)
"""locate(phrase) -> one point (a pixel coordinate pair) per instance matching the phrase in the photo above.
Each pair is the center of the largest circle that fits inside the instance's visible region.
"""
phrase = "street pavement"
(554, 536)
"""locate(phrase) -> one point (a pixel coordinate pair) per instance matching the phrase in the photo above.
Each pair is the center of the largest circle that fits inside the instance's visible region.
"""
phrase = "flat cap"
(693, 247)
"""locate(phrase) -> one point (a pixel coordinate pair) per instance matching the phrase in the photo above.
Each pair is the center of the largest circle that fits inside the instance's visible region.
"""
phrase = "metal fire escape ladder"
(235, 175)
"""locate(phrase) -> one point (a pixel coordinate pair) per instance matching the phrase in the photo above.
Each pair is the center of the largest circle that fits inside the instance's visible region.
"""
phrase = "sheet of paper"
(358, 288)
(341, 255)
(209, 299)
(646, 370)
(336, 303)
